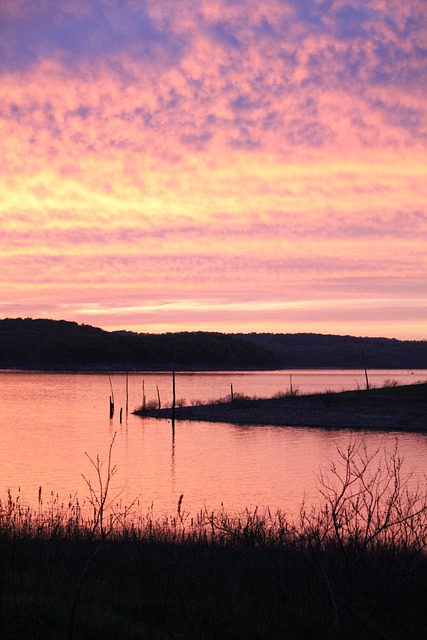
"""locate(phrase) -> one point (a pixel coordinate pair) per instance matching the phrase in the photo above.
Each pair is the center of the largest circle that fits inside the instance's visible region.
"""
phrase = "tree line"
(42, 344)
(58, 344)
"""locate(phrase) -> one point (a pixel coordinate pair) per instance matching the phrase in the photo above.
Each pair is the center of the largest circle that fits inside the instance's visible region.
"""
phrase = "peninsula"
(399, 408)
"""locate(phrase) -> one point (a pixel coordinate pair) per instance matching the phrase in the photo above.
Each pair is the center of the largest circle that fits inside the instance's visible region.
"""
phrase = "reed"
(353, 567)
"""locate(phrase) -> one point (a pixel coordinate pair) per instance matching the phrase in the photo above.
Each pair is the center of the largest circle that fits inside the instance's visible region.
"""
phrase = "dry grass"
(353, 568)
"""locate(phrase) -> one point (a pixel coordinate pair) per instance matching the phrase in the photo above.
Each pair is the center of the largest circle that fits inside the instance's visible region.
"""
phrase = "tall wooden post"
(111, 398)
(366, 372)
(173, 399)
(127, 393)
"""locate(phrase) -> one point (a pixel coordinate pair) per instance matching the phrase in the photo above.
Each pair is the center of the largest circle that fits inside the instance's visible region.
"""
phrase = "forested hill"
(62, 345)
(302, 350)
(57, 344)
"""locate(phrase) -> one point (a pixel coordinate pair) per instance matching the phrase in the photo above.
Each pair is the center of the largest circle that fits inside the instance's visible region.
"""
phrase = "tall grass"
(352, 567)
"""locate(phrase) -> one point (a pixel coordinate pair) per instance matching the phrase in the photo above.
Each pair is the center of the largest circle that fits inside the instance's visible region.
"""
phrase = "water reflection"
(173, 456)
(49, 421)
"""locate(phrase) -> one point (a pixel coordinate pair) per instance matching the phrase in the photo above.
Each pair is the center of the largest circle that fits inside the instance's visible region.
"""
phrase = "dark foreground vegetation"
(353, 568)
(59, 345)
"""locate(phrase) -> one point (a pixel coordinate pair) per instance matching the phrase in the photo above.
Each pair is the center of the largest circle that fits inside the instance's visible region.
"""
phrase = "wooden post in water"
(366, 372)
(144, 403)
(121, 415)
(173, 398)
(111, 399)
(127, 393)
(158, 396)
(231, 393)
(290, 384)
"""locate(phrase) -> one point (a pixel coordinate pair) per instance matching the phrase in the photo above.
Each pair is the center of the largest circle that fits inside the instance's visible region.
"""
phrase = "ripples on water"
(49, 421)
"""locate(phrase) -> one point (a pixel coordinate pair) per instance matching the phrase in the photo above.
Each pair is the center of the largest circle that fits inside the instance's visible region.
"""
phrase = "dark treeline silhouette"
(306, 350)
(58, 344)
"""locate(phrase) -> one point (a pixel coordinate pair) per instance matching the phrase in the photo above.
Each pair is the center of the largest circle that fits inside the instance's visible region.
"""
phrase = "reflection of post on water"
(173, 457)
(173, 413)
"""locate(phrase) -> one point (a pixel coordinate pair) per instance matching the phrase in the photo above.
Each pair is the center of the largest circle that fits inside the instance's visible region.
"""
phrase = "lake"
(50, 421)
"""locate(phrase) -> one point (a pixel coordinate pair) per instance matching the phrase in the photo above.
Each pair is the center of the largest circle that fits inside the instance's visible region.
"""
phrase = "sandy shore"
(395, 409)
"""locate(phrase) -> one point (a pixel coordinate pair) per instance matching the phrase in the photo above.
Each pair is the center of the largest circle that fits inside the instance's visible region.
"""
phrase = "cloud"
(239, 146)
(73, 31)
(306, 89)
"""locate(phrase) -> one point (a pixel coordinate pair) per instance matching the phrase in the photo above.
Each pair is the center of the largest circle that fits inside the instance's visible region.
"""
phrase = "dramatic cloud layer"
(215, 164)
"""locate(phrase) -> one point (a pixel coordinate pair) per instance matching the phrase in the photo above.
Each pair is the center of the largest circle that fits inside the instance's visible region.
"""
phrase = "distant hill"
(302, 350)
(61, 345)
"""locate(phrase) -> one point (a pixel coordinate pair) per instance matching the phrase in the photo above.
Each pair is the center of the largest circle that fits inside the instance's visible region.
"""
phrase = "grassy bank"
(353, 568)
(396, 408)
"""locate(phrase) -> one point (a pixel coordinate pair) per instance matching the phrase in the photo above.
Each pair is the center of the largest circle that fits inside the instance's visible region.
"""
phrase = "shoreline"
(400, 408)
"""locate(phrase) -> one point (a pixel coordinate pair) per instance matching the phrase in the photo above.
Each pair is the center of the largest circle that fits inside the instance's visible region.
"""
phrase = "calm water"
(49, 421)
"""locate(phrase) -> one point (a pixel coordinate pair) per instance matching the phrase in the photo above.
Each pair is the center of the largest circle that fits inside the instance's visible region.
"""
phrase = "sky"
(215, 165)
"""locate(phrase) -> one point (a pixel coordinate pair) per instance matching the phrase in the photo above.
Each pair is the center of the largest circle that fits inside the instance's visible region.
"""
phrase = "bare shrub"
(242, 396)
(152, 405)
(370, 517)
(368, 499)
(390, 383)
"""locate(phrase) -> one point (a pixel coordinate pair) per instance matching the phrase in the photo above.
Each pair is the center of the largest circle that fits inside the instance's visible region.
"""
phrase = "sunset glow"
(225, 165)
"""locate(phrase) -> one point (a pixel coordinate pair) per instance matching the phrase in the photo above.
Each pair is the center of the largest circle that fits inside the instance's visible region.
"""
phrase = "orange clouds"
(222, 151)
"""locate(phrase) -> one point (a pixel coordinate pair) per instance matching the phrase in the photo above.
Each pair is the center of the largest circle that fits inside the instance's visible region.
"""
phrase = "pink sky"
(225, 165)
